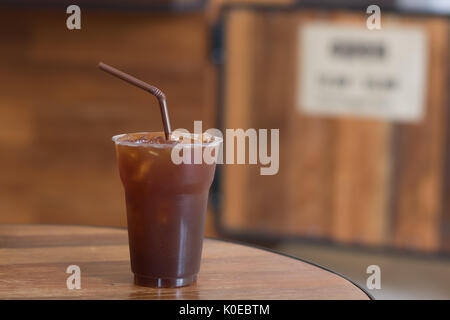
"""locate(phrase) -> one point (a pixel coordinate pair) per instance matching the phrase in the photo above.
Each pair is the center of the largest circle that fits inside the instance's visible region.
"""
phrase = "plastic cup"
(166, 206)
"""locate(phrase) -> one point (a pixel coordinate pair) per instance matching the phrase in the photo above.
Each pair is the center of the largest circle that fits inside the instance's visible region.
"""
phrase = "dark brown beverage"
(166, 207)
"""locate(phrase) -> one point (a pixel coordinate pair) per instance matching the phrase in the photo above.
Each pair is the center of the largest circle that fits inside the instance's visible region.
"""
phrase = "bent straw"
(147, 87)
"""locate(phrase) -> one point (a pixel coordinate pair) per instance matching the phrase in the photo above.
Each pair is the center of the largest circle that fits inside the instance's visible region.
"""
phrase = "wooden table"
(34, 259)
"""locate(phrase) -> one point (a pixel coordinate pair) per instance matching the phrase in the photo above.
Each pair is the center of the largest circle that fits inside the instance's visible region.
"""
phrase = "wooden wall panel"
(421, 155)
(308, 150)
(238, 94)
(58, 112)
(270, 76)
(348, 179)
(361, 181)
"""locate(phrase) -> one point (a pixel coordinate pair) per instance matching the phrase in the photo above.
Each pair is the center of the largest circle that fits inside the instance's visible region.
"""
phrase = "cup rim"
(217, 140)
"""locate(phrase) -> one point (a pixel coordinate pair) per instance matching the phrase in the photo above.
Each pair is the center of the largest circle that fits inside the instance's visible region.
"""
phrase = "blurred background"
(363, 115)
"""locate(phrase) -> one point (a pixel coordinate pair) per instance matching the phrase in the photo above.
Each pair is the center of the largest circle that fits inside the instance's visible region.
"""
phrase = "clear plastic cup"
(166, 205)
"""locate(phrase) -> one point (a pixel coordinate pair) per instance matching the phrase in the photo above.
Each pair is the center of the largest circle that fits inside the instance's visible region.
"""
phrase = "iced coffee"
(166, 205)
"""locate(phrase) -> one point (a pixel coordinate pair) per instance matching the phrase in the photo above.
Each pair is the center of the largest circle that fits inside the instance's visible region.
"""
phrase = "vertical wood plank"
(238, 102)
(361, 188)
(421, 156)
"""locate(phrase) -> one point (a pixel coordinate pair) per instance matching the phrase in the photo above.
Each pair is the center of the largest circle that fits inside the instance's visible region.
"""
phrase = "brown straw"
(147, 87)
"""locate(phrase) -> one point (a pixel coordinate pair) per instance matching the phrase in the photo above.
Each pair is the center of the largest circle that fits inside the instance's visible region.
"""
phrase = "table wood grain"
(34, 259)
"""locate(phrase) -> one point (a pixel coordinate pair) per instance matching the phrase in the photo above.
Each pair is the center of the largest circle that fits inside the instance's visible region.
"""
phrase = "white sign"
(346, 70)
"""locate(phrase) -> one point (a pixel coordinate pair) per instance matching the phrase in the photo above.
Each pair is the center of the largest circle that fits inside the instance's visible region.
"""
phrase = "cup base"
(164, 282)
